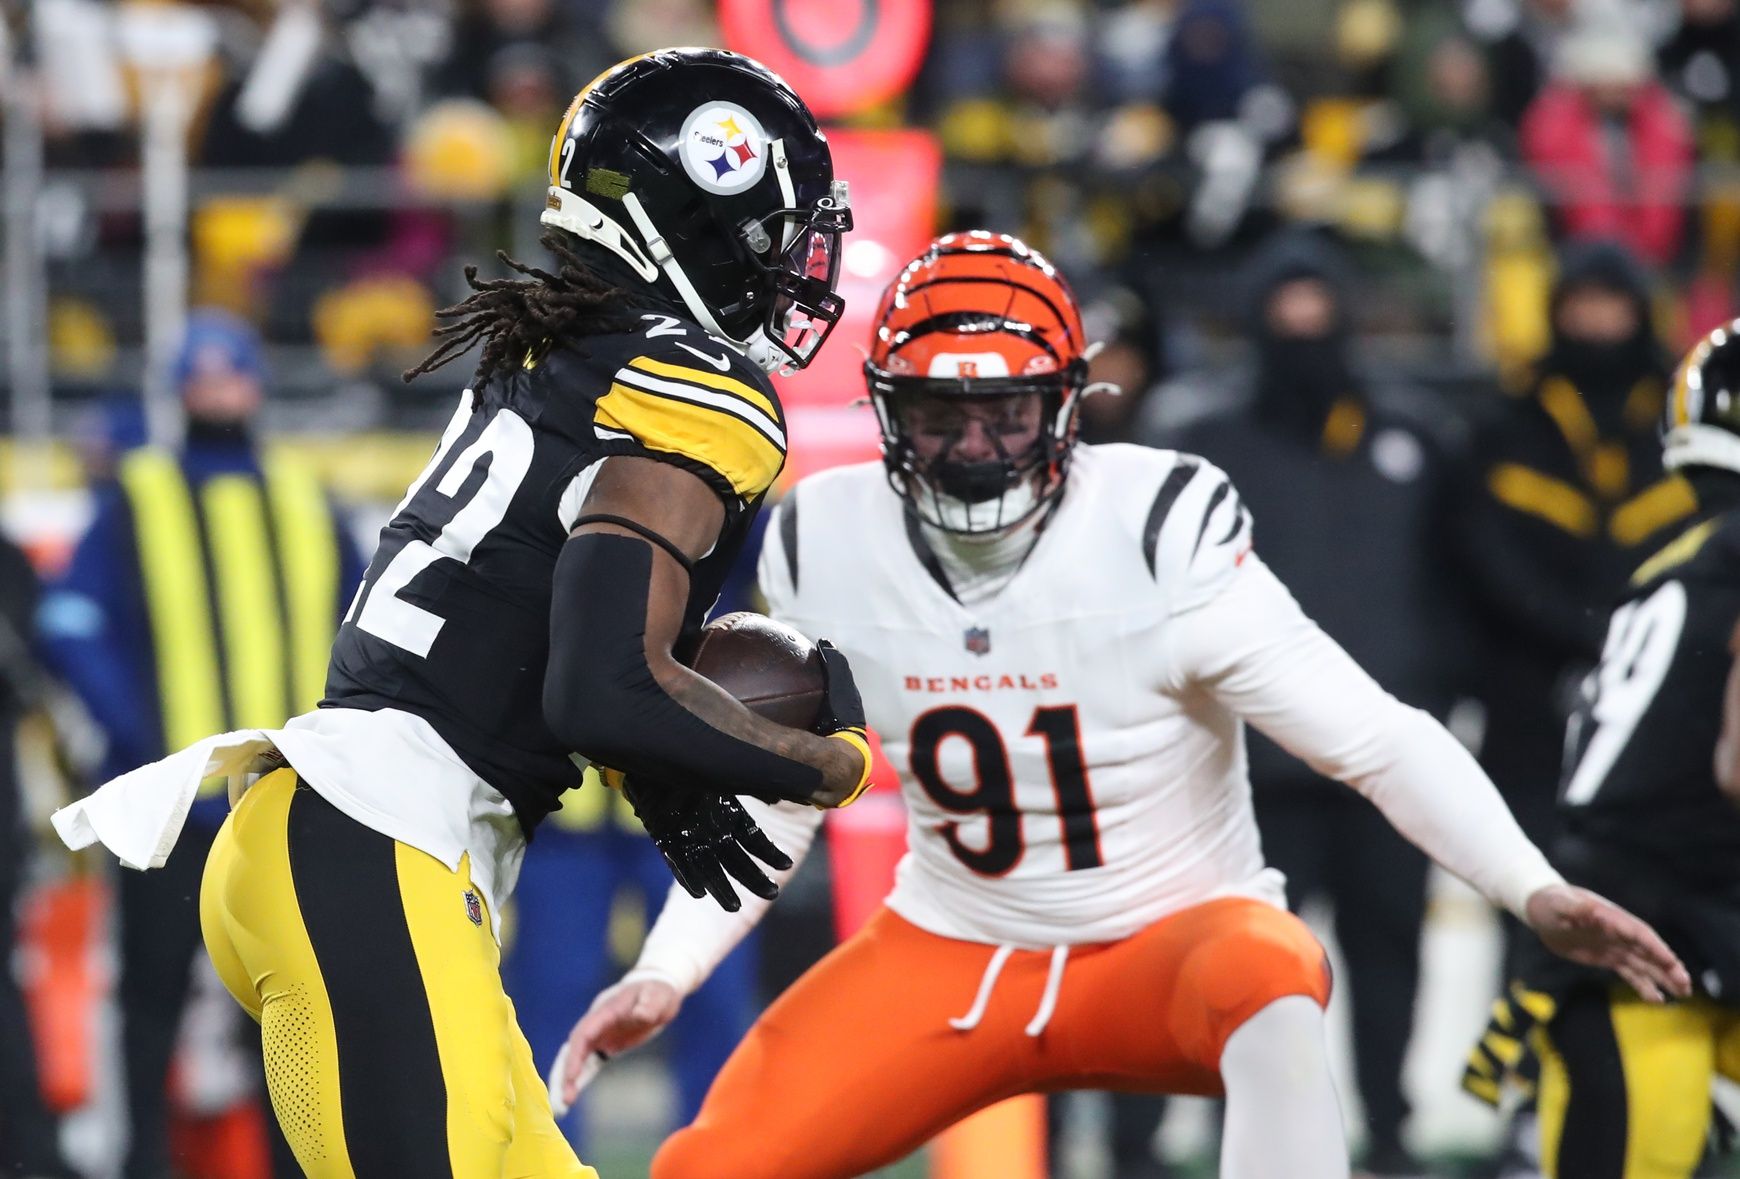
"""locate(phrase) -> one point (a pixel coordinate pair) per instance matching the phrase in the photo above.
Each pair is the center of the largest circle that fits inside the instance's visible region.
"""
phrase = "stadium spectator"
(486, 30)
(1348, 479)
(29, 1134)
(1566, 488)
(182, 614)
(1138, 354)
(1211, 64)
(1700, 62)
(1609, 145)
(1523, 38)
(1442, 87)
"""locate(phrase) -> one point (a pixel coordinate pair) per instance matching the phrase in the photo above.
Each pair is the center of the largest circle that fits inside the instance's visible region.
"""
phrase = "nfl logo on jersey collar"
(978, 640)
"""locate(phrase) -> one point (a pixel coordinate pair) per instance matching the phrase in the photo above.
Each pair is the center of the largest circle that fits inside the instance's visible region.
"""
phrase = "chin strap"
(569, 211)
(583, 219)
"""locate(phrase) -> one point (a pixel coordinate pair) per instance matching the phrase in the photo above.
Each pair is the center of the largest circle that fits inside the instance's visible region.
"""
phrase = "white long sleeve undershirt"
(1254, 649)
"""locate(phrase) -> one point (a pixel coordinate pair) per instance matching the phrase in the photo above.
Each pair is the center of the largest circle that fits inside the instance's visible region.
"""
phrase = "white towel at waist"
(139, 815)
(386, 769)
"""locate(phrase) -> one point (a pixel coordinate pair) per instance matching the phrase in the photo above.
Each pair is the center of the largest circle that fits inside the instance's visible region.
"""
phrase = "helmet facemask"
(802, 307)
(1010, 469)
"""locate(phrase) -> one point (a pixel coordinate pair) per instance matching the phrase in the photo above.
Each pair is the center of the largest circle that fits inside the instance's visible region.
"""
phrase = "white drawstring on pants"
(988, 983)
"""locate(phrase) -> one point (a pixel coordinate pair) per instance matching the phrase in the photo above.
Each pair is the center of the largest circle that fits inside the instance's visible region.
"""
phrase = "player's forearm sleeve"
(1258, 653)
(602, 699)
(691, 937)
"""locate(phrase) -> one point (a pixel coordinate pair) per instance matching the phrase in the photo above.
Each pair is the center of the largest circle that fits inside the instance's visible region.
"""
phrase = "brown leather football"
(768, 667)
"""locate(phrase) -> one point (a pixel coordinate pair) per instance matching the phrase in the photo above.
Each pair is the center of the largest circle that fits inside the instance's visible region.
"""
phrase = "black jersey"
(452, 622)
(1640, 751)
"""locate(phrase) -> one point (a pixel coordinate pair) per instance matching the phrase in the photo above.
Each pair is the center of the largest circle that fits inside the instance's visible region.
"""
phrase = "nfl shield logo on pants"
(978, 640)
(473, 907)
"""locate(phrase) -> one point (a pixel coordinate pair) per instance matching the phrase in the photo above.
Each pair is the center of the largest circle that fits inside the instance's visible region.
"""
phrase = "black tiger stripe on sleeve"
(1170, 489)
(1215, 499)
(788, 536)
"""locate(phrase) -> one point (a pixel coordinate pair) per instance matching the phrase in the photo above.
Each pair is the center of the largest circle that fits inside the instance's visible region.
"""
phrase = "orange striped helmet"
(979, 319)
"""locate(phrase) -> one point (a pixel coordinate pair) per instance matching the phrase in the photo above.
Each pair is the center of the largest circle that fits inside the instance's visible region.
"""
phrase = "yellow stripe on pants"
(254, 932)
(257, 926)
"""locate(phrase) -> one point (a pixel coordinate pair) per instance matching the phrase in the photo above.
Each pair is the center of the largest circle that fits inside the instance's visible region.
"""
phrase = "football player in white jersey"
(1060, 645)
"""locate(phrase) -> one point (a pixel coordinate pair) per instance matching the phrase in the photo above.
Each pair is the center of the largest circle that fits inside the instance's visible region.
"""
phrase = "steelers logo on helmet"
(723, 148)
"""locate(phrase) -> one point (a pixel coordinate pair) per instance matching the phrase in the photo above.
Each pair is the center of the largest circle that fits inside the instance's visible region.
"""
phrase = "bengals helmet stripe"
(978, 315)
(977, 293)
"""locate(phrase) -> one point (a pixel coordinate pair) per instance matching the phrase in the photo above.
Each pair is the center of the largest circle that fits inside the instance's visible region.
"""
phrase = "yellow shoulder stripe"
(1553, 500)
(1656, 506)
(1677, 551)
(742, 454)
(723, 382)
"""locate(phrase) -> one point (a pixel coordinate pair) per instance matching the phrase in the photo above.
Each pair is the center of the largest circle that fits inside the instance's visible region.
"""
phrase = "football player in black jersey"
(1648, 817)
(521, 616)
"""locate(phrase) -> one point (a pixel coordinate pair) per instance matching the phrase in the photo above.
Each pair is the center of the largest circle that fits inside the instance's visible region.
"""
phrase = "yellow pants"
(1625, 1085)
(391, 1048)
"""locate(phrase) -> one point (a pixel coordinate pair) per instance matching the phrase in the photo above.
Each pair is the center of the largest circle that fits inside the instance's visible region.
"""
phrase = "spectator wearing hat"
(1609, 144)
(203, 597)
(1566, 492)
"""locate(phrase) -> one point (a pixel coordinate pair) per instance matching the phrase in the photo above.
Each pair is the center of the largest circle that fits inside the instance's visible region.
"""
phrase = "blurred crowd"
(1413, 272)
(348, 151)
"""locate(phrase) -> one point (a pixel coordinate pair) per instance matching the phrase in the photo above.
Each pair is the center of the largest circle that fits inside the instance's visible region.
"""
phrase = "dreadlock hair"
(515, 316)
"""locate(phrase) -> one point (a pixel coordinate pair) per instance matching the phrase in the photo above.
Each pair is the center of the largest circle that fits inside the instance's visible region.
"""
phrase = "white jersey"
(1070, 746)
(1066, 780)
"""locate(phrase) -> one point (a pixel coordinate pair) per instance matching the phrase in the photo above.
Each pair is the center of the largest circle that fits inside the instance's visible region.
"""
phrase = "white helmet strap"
(567, 210)
(580, 217)
(1696, 444)
(661, 254)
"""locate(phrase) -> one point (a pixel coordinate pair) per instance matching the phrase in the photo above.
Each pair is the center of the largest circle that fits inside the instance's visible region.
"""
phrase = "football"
(768, 667)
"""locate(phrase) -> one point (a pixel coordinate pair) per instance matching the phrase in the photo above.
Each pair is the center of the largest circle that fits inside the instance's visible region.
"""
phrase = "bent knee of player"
(1257, 957)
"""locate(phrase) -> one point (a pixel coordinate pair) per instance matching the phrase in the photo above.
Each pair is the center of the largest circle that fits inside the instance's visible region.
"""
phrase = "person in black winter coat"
(1346, 482)
(1565, 490)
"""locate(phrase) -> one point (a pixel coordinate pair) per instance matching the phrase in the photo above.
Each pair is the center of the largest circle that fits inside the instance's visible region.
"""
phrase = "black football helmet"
(704, 172)
(1701, 420)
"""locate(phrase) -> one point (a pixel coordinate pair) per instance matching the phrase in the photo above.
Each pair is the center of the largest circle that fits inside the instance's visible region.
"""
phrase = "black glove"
(842, 707)
(706, 839)
(841, 715)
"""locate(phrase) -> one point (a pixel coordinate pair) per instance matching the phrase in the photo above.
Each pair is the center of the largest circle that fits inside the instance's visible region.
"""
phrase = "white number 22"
(506, 443)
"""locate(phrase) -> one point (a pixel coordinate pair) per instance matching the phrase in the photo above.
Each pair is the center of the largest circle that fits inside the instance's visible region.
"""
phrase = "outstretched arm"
(683, 948)
(1258, 653)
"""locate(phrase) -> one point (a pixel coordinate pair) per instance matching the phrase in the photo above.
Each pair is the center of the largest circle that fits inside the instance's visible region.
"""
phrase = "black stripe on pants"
(392, 1094)
(1592, 1141)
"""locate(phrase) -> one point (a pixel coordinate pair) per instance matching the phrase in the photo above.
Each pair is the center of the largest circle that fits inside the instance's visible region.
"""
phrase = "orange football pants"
(857, 1065)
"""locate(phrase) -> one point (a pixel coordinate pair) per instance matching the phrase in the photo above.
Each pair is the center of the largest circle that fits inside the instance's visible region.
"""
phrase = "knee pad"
(1247, 956)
